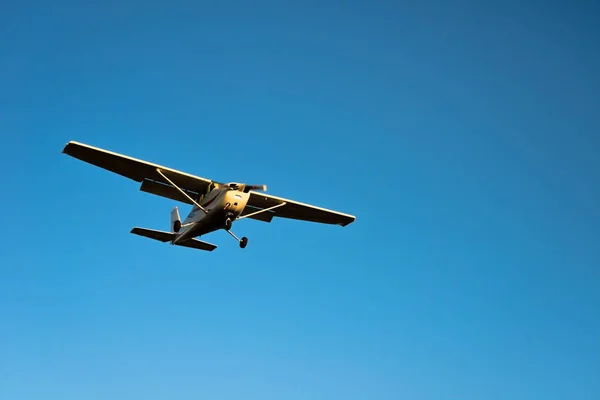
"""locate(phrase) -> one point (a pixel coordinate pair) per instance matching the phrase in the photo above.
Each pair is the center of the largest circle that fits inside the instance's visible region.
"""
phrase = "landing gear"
(228, 222)
(243, 241)
(176, 226)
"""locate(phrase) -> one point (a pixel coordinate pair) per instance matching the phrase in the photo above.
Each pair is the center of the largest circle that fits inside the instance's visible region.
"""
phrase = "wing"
(141, 171)
(295, 210)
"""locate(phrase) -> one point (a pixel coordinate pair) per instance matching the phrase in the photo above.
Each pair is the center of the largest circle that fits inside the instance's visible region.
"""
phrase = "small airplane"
(215, 205)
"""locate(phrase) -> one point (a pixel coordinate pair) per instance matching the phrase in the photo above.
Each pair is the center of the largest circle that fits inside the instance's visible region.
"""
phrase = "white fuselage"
(220, 204)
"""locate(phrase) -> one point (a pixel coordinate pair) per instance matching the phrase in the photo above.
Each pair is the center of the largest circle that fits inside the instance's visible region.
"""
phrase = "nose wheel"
(243, 241)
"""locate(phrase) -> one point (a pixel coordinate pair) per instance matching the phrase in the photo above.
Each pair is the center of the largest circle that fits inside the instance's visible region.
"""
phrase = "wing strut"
(261, 211)
(182, 191)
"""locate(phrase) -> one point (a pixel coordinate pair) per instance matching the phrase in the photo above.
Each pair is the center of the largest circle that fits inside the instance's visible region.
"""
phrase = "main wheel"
(244, 242)
(176, 226)
(228, 224)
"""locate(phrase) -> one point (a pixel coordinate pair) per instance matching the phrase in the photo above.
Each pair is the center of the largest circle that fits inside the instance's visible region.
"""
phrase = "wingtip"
(66, 146)
(351, 220)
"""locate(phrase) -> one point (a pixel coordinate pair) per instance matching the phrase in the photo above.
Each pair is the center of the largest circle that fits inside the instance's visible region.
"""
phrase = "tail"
(168, 237)
(175, 220)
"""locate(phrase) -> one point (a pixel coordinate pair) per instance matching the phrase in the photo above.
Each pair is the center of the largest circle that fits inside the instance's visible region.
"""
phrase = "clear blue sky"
(463, 136)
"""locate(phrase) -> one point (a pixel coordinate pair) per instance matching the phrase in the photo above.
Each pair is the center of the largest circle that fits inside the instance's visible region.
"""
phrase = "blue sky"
(463, 136)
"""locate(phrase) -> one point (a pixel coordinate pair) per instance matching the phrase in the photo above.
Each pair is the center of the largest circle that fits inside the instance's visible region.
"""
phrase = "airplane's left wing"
(285, 208)
(141, 171)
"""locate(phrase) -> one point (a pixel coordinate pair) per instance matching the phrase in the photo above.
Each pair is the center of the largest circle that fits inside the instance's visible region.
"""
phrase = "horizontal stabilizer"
(198, 244)
(152, 234)
(168, 236)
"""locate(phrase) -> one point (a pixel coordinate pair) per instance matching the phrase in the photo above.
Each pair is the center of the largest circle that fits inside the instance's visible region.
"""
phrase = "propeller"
(242, 187)
(262, 188)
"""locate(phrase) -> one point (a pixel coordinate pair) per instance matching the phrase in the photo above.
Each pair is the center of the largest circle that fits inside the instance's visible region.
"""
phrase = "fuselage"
(220, 204)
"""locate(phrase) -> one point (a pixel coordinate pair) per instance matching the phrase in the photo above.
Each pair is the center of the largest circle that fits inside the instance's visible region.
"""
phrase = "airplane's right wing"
(142, 171)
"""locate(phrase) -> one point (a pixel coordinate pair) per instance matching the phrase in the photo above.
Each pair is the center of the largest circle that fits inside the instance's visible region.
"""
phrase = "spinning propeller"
(242, 187)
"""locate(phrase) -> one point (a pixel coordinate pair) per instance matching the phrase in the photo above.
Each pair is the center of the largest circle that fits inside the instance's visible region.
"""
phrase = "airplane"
(215, 205)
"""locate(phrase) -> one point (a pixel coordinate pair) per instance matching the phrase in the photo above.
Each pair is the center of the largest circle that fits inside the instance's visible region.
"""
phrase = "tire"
(176, 225)
(244, 242)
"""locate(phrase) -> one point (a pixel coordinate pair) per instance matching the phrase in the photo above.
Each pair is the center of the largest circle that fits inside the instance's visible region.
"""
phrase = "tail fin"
(175, 220)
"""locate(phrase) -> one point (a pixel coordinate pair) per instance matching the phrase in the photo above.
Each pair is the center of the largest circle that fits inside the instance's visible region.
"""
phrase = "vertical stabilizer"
(175, 220)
